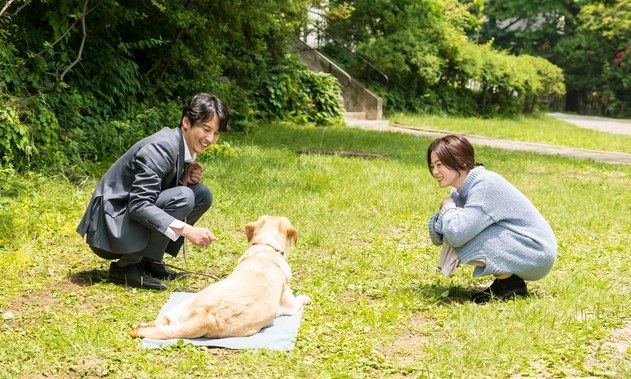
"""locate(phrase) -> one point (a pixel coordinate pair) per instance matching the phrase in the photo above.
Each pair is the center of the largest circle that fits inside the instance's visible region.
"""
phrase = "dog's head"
(276, 232)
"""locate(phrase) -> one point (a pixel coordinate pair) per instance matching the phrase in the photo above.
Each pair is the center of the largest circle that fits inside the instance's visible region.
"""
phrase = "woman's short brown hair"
(453, 151)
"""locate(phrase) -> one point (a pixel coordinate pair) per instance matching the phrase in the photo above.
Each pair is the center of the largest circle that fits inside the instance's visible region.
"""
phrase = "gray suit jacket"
(122, 213)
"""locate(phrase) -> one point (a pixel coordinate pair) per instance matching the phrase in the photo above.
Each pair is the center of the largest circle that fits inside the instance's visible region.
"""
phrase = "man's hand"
(193, 173)
(200, 237)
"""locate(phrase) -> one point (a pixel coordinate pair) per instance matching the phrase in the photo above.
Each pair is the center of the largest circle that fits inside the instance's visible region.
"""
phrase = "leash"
(196, 273)
(186, 270)
(199, 273)
(184, 249)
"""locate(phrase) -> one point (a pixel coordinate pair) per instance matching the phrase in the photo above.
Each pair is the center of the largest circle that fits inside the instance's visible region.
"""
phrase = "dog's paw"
(304, 299)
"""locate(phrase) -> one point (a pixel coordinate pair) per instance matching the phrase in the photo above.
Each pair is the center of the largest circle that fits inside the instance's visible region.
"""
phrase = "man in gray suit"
(149, 200)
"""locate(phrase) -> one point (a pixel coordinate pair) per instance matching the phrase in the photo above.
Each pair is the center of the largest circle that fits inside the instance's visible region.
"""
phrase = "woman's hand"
(445, 201)
(193, 173)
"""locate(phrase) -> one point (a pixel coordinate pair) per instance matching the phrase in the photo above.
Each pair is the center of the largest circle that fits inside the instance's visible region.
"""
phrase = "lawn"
(540, 129)
(379, 307)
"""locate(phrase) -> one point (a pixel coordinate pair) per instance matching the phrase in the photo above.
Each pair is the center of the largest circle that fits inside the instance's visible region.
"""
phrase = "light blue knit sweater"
(499, 224)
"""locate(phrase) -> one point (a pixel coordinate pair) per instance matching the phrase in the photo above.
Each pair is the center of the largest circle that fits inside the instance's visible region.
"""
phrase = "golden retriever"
(247, 300)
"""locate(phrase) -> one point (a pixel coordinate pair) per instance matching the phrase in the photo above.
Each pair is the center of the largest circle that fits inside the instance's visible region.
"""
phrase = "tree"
(431, 63)
(613, 24)
(583, 37)
(529, 26)
(82, 79)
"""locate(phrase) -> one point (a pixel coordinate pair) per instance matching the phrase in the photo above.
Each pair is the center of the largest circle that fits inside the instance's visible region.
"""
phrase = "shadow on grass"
(89, 277)
(447, 295)
(440, 294)
(96, 276)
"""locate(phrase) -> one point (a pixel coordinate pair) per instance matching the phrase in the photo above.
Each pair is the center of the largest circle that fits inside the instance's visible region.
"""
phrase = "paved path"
(609, 125)
(540, 148)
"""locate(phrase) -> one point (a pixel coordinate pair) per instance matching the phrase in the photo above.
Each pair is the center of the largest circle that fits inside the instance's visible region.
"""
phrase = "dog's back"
(245, 301)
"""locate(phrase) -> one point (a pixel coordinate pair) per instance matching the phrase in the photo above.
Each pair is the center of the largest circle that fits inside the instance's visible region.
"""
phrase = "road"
(609, 125)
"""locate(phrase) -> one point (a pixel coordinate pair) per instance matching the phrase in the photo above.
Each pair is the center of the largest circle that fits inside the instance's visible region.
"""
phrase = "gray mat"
(281, 335)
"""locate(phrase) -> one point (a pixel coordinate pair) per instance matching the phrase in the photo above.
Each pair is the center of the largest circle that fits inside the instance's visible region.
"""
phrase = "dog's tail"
(200, 325)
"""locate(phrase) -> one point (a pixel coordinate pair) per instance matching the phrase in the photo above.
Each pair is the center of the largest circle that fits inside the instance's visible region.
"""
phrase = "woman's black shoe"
(502, 289)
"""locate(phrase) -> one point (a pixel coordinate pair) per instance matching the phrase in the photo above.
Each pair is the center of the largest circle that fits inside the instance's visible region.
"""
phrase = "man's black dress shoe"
(133, 276)
(502, 289)
(159, 271)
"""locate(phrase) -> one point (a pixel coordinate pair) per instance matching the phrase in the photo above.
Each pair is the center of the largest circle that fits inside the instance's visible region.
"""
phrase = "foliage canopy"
(588, 39)
(83, 79)
(431, 62)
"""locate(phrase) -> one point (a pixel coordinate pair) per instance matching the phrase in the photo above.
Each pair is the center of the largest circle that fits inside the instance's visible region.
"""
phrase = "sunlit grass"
(540, 129)
(379, 308)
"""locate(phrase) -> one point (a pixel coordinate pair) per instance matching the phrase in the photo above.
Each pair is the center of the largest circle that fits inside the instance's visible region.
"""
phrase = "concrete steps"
(355, 97)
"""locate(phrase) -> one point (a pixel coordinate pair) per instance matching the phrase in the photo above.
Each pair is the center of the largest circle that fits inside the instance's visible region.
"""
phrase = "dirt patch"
(620, 340)
(410, 342)
(26, 310)
(618, 344)
(90, 367)
(595, 176)
(406, 347)
(344, 153)
(42, 297)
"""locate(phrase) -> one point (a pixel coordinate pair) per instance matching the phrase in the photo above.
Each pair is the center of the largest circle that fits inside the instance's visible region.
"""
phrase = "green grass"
(540, 129)
(379, 307)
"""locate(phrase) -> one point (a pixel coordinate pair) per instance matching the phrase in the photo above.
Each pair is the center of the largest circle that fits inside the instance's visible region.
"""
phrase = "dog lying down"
(247, 300)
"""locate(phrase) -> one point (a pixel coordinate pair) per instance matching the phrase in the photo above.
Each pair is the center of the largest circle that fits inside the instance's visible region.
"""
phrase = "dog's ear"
(249, 230)
(292, 234)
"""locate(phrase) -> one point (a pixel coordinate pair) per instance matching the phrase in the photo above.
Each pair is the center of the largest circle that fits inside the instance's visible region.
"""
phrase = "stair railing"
(321, 32)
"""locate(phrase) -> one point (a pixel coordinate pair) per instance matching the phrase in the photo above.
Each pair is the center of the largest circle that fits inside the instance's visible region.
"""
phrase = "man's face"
(200, 135)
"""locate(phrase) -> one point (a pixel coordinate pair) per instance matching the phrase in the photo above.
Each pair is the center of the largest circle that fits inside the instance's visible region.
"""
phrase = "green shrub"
(292, 92)
(547, 80)
(71, 95)
(432, 65)
(503, 84)
(30, 134)
(14, 139)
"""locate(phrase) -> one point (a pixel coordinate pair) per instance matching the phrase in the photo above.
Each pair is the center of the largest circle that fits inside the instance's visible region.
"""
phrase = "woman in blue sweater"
(488, 222)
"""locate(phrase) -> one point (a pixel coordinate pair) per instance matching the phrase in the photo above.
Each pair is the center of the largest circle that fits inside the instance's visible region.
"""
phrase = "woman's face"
(445, 175)
(201, 135)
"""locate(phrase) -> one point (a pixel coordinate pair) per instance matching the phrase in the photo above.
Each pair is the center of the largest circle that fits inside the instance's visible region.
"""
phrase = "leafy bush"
(546, 80)
(610, 23)
(294, 93)
(432, 65)
(83, 80)
(30, 134)
(13, 134)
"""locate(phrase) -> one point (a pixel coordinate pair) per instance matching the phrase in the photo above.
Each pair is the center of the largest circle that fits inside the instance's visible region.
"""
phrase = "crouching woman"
(487, 222)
